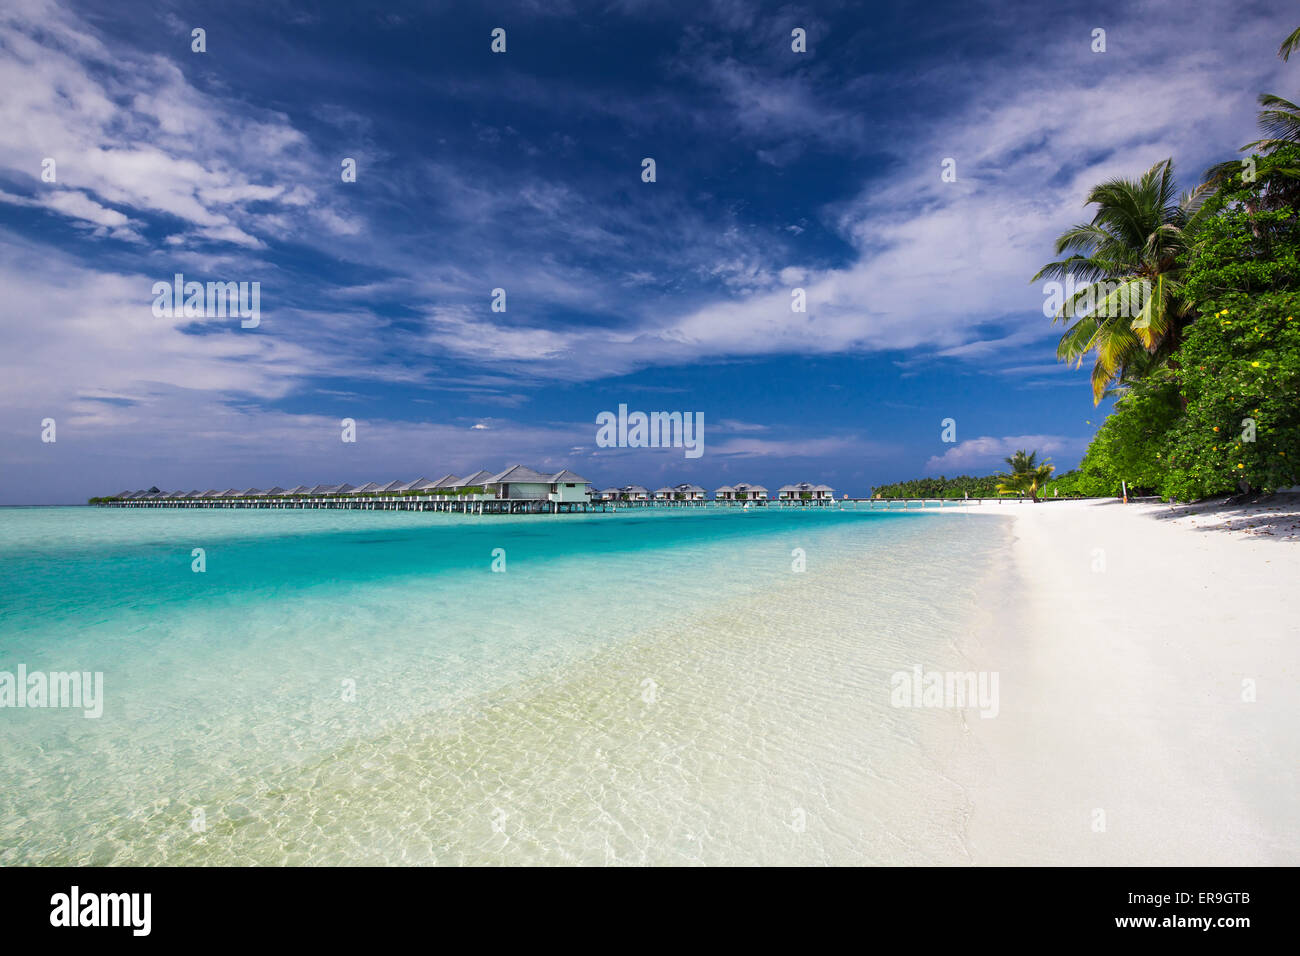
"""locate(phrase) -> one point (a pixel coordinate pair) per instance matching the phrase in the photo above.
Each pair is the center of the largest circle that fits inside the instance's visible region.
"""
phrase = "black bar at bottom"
(927, 907)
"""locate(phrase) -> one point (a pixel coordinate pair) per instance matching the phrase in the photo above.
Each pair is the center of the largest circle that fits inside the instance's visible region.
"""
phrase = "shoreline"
(769, 735)
(1125, 735)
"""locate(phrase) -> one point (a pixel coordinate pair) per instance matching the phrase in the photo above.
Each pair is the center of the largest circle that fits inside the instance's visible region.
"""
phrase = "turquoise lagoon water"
(639, 687)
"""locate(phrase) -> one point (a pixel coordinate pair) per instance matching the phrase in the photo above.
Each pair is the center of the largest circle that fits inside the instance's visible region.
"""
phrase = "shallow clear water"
(635, 687)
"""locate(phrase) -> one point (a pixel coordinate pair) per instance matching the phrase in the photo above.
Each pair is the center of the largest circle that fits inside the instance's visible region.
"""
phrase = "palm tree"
(1126, 256)
(1289, 45)
(1026, 474)
(1279, 119)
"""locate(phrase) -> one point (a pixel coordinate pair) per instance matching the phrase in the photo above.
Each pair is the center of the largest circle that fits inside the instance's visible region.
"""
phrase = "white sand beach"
(1127, 732)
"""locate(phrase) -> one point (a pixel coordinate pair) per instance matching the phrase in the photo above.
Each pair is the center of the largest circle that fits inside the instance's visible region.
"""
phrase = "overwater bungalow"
(519, 482)
(470, 488)
(446, 481)
(805, 493)
(741, 493)
(516, 490)
(419, 484)
(568, 487)
(680, 494)
(628, 494)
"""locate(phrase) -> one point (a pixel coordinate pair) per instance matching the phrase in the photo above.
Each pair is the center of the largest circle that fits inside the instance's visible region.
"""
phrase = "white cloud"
(126, 128)
(987, 451)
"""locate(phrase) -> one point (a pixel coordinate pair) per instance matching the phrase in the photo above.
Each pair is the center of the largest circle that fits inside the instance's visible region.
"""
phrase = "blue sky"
(522, 170)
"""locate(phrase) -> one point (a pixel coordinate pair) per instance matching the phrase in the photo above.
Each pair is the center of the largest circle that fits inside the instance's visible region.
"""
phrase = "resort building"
(742, 493)
(516, 490)
(805, 493)
(471, 487)
(627, 495)
(420, 484)
(518, 482)
(679, 495)
(568, 487)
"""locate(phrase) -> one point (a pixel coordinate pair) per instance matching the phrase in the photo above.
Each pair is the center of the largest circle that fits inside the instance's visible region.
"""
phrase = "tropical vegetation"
(1206, 374)
(1026, 476)
(962, 486)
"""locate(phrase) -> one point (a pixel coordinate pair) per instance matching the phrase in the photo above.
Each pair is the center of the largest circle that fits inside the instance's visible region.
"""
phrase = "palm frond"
(1289, 45)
